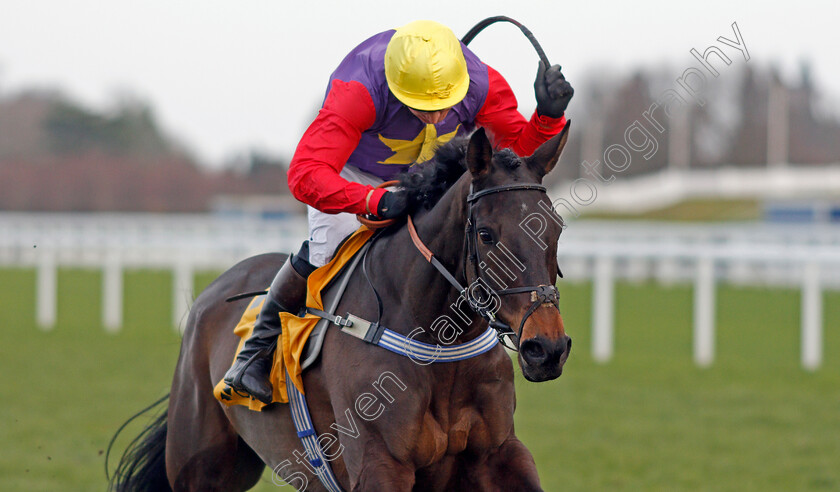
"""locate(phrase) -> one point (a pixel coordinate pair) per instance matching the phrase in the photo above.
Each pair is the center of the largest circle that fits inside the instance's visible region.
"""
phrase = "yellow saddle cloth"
(296, 330)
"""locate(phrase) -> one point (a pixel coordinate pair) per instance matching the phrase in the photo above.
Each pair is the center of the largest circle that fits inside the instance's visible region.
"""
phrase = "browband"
(496, 189)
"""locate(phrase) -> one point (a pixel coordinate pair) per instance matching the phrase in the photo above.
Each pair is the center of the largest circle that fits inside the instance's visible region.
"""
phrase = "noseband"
(540, 294)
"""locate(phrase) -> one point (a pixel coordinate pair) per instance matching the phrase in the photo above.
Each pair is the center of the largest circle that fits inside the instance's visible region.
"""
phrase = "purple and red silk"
(359, 109)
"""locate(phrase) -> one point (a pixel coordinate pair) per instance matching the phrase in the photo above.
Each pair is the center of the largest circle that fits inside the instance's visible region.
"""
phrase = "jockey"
(389, 104)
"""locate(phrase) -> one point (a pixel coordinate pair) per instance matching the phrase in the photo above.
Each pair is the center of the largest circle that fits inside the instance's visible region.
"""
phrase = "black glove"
(392, 205)
(552, 91)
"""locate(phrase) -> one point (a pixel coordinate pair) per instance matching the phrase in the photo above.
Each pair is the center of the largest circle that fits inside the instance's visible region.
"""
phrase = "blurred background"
(144, 149)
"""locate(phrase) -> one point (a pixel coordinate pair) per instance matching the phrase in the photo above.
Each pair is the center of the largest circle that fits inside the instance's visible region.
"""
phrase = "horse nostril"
(563, 347)
(533, 351)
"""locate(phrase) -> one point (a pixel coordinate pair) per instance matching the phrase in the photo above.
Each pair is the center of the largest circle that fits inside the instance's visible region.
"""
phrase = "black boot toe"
(253, 379)
(256, 381)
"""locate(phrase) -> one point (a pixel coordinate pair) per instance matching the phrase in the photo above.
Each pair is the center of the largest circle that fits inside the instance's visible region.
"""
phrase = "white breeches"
(327, 230)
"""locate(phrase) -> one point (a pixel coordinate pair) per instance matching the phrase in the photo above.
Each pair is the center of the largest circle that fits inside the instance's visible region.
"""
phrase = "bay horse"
(420, 426)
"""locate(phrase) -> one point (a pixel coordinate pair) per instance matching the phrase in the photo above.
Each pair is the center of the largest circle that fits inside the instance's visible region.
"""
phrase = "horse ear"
(546, 156)
(479, 153)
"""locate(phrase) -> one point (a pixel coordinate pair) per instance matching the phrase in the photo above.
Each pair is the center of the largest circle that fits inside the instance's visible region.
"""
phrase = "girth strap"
(309, 439)
(338, 320)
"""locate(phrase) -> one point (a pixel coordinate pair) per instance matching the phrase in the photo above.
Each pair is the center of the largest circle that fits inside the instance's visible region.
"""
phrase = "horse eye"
(485, 236)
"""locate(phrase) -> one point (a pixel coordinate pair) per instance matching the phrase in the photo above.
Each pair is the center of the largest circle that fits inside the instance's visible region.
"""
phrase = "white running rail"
(603, 252)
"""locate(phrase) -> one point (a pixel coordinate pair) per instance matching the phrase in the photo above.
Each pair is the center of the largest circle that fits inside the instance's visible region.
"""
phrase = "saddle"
(299, 346)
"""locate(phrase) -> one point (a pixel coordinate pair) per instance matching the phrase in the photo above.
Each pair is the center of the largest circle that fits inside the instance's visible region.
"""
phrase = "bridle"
(541, 295)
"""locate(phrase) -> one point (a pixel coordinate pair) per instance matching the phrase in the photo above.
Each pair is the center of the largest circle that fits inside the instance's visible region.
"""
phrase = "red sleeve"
(325, 147)
(506, 125)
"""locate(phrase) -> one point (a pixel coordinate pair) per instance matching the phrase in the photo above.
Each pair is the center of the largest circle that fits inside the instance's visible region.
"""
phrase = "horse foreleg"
(381, 471)
(510, 468)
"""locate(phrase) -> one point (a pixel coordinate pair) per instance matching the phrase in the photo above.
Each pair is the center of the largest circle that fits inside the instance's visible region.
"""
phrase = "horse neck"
(442, 230)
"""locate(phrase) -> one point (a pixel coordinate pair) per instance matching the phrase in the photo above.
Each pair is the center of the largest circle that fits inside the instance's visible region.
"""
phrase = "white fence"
(113, 243)
(669, 186)
(762, 254)
(752, 254)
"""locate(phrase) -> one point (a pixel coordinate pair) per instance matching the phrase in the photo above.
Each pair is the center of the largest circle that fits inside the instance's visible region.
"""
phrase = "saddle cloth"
(290, 355)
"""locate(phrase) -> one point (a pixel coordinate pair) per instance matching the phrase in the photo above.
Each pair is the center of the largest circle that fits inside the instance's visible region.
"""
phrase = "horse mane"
(426, 183)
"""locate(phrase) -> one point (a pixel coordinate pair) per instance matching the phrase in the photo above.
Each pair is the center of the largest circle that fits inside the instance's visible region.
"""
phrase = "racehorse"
(420, 425)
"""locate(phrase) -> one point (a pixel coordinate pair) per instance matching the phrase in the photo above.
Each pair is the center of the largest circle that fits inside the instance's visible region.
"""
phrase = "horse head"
(512, 236)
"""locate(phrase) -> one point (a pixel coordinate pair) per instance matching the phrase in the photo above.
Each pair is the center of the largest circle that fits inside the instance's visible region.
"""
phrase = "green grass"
(648, 420)
(695, 210)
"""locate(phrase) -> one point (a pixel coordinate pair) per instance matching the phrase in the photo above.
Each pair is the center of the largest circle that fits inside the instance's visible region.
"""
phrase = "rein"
(541, 295)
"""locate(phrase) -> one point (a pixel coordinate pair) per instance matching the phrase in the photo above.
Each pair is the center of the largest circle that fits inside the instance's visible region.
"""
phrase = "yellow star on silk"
(420, 149)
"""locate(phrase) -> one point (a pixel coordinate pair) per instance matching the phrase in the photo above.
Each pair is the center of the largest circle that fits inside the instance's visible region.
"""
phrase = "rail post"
(112, 293)
(47, 291)
(812, 329)
(704, 312)
(603, 309)
(182, 290)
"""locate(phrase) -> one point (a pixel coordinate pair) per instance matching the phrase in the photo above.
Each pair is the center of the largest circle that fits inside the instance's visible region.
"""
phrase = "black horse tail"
(142, 466)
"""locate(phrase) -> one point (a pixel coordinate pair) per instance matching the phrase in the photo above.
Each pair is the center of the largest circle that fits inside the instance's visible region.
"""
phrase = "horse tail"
(142, 466)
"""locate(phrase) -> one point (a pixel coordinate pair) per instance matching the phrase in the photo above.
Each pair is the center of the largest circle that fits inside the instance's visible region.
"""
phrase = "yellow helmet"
(425, 66)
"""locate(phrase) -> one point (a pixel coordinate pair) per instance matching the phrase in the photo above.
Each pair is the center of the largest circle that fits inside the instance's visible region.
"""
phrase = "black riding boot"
(250, 371)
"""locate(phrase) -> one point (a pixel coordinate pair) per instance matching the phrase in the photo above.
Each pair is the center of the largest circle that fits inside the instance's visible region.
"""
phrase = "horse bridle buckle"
(547, 295)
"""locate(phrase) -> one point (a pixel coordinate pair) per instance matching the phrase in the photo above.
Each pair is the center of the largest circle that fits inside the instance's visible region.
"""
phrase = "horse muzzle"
(542, 359)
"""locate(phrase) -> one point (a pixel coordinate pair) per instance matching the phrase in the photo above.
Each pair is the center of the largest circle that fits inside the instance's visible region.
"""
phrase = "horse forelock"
(507, 159)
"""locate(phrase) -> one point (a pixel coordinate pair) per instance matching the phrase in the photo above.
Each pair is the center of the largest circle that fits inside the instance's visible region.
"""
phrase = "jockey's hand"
(392, 205)
(552, 90)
